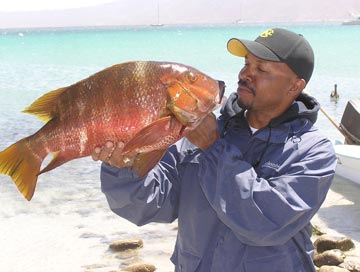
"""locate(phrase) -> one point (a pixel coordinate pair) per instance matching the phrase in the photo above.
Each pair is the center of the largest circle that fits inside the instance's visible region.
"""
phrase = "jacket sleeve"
(151, 199)
(265, 212)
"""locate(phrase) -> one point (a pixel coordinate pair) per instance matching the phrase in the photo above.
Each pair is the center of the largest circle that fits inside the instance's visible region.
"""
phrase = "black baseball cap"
(279, 45)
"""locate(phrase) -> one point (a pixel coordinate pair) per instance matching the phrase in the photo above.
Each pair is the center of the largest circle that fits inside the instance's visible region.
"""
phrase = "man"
(244, 200)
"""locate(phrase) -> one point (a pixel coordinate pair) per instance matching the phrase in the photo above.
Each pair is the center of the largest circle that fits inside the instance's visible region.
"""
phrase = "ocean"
(68, 225)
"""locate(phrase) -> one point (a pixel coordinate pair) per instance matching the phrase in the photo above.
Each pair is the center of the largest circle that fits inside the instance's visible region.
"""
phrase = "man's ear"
(297, 87)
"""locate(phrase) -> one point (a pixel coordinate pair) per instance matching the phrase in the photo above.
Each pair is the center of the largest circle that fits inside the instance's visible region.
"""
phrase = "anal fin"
(58, 159)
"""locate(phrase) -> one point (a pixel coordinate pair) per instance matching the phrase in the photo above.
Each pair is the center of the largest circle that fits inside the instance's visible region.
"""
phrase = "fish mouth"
(221, 89)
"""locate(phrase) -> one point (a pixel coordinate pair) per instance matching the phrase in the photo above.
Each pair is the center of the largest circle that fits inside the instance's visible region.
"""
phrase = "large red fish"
(147, 105)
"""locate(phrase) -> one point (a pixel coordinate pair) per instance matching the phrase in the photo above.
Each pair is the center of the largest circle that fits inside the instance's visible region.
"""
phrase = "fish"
(148, 105)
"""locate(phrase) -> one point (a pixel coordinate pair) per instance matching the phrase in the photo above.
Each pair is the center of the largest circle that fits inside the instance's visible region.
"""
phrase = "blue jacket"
(242, 205)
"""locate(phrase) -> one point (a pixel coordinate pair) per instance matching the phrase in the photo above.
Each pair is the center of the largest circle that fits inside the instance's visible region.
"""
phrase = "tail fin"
(22, 165)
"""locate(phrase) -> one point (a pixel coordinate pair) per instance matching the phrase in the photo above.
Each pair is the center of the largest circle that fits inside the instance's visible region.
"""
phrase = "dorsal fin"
(44, 106)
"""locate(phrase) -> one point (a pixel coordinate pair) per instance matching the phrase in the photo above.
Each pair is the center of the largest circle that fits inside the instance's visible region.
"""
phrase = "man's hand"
(205, 134)
(113, 155)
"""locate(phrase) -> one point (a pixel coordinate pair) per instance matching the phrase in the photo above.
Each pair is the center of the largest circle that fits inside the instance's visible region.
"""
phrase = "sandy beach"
(340, 213)
(62, 241)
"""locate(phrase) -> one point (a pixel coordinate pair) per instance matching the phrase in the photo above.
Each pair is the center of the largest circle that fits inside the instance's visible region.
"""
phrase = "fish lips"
(221, 89)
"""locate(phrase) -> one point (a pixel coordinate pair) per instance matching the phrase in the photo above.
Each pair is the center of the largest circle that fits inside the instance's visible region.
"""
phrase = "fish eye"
(191, 77)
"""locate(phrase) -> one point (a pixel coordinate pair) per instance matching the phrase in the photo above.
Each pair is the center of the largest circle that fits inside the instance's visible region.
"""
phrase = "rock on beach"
(122, 245)
(326, 242)
(140, 268)
(334, 254)
(129, 245)
(332, 257)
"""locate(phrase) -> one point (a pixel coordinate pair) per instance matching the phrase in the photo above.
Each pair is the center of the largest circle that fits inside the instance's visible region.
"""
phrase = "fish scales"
(114, 109)
(146, 105)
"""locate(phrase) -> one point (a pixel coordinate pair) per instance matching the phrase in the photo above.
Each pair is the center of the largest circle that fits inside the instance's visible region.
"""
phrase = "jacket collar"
(305, 106)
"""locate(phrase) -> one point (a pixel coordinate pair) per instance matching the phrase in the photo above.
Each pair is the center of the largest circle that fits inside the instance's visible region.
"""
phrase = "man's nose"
(246, 74)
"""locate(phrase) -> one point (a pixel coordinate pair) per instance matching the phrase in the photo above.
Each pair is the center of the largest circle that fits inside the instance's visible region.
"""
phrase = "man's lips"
(244, 90)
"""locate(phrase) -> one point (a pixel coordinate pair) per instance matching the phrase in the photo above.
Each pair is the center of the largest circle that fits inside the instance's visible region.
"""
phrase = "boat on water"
(348, 153)
(158, 16)
(348, 165)
(355, 19)
(352, 22)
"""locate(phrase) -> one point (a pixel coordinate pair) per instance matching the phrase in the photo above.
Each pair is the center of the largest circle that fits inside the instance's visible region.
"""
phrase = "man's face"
(264, 86)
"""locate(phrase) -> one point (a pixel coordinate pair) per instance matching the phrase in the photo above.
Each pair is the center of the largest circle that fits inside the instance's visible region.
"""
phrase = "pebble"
(122, 245)
(128, 246)
(140, 268)
(330, 257)
(345, 244)
(326, 242)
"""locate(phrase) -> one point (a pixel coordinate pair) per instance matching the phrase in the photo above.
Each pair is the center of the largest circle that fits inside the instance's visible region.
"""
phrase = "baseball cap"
(279, 45)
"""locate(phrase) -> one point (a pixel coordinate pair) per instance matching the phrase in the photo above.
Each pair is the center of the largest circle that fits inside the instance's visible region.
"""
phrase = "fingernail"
(109, 144)
(120, 144)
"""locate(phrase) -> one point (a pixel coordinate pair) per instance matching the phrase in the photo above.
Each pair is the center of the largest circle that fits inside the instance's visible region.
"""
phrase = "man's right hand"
(112, 154)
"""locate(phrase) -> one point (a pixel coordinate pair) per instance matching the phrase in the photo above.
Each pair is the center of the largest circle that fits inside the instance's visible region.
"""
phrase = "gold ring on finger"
(126, 160)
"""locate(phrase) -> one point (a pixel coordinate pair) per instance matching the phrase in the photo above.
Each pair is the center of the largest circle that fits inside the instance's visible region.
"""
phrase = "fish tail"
(22, 165)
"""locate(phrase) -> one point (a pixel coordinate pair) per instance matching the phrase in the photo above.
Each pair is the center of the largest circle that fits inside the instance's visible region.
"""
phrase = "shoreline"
(180, 25)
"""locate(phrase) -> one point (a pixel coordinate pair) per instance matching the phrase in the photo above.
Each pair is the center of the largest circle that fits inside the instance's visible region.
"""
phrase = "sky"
(37, 5)
(79, 13)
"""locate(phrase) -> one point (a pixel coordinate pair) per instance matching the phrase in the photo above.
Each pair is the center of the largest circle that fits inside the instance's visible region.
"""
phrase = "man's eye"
(261, 70)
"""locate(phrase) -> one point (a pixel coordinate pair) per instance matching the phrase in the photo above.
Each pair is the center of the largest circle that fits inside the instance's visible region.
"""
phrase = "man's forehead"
(252, 57)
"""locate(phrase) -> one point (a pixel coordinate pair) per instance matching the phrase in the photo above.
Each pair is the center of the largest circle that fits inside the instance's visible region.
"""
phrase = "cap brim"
(241, 48)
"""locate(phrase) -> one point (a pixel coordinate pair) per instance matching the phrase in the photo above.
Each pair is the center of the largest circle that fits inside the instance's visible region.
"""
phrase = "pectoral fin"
(156, 136)
(147, 161)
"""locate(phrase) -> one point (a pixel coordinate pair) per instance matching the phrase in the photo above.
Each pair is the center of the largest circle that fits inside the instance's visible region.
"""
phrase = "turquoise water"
(68, 202)
(33, 62)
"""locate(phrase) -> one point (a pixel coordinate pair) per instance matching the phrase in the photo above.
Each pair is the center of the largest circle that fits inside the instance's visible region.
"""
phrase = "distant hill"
(145, 12)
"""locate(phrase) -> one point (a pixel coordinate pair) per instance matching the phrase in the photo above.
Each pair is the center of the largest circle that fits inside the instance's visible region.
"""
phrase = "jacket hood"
(305, 106)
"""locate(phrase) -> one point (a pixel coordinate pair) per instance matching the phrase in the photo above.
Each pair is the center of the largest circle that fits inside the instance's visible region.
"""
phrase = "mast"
(158, 15)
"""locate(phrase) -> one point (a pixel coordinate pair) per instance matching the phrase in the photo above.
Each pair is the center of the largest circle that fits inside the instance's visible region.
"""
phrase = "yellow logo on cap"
(267, 33)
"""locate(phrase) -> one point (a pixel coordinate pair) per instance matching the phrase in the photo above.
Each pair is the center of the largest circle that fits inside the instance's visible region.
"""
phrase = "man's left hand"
(206, 133)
